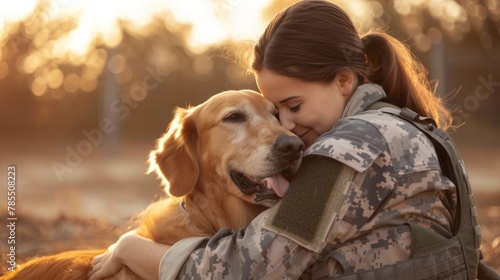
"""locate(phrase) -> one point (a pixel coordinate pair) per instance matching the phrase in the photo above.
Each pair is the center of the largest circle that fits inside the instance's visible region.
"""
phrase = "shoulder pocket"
(308, 210)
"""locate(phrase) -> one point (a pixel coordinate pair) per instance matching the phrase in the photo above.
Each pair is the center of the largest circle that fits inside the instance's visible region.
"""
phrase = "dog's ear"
(176, 158)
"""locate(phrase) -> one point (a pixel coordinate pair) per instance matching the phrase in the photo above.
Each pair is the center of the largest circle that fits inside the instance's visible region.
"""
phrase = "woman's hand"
(141, 255)
(110, 262)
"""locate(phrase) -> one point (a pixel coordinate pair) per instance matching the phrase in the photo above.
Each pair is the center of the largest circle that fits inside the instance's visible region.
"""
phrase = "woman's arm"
(140, 254)
(260, 252)
(247, 253)
(250, 253)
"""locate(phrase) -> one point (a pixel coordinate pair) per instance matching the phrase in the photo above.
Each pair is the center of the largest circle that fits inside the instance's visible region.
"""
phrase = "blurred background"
(86, 88)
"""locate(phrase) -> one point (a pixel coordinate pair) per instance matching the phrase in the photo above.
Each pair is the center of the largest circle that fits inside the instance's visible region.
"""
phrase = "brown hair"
(313, 40)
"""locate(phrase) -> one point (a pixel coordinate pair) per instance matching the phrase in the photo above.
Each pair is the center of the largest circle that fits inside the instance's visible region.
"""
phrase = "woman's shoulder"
(369, 127)
(392, 129)
(353, 142)
(358, 140)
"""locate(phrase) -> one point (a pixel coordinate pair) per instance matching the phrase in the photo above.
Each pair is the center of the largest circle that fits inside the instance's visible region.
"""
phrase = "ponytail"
(403, 77)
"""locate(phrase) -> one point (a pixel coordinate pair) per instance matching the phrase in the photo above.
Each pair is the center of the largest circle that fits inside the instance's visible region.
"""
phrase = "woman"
(368, 181)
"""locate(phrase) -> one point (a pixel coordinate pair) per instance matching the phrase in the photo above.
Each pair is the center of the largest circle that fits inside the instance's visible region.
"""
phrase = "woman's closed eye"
(295, 108)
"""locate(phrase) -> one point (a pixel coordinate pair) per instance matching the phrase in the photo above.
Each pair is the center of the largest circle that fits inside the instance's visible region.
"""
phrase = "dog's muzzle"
(246, 185)
(259, 189)
(287, 151)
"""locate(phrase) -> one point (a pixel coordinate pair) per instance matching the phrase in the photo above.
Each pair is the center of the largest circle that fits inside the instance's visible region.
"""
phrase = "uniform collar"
(364, 96)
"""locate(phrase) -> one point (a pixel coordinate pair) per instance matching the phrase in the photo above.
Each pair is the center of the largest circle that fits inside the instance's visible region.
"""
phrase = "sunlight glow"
(215, 21)
(211, 22)
(68, 32)
(78, 32)
(15, 11)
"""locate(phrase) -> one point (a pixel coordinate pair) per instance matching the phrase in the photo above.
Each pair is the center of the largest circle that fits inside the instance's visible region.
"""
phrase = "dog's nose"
(290, 147)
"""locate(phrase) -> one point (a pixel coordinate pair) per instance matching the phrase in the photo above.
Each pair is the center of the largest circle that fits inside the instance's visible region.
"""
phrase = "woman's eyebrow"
(288, 99)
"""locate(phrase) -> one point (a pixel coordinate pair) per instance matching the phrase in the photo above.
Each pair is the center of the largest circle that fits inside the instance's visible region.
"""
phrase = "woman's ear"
(346, 81)
(176, 158)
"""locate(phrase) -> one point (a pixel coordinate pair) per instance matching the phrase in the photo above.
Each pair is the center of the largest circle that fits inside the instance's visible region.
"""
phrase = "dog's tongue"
(278, 183)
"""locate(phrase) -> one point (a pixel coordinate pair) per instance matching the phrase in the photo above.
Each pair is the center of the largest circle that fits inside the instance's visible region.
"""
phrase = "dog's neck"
(232, 213)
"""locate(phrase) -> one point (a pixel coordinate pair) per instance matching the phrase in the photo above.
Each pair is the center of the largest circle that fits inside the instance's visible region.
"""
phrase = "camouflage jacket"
(387, 176)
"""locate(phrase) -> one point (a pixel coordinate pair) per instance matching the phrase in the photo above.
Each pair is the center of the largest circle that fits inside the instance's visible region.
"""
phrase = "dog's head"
(231, 143)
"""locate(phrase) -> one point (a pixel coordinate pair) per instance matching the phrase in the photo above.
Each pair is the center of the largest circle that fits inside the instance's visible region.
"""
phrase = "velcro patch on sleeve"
(309, 207)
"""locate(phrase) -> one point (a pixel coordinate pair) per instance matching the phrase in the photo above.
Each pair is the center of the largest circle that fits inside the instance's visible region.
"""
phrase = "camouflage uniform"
(386, 178)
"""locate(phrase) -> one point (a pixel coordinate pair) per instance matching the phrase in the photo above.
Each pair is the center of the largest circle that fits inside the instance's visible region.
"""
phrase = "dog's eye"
(235, 117)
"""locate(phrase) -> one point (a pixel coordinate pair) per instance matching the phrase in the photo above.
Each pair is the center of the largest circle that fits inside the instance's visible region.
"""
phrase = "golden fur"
(231, 130)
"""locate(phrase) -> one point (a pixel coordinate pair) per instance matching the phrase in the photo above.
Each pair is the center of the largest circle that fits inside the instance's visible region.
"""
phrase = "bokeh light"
(79, 33)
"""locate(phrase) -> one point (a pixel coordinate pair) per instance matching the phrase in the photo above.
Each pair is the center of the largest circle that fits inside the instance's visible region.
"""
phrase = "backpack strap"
(452, 166)
(405, 112)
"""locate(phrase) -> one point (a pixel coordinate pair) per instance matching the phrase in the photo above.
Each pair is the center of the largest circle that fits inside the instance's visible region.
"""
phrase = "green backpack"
(467, 230)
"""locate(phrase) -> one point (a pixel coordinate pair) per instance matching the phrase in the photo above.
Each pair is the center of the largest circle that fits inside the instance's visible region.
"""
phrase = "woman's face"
(308, 109)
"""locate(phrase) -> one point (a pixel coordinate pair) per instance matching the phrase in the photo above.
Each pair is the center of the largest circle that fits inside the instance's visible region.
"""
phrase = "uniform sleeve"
(170, 264)
(251, 253)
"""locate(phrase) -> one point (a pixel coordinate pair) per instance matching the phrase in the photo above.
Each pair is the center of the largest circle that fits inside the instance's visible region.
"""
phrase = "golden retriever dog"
(222, 163)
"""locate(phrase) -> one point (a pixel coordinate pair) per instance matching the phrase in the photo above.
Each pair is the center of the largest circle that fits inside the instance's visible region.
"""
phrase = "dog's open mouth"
(270, 188)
